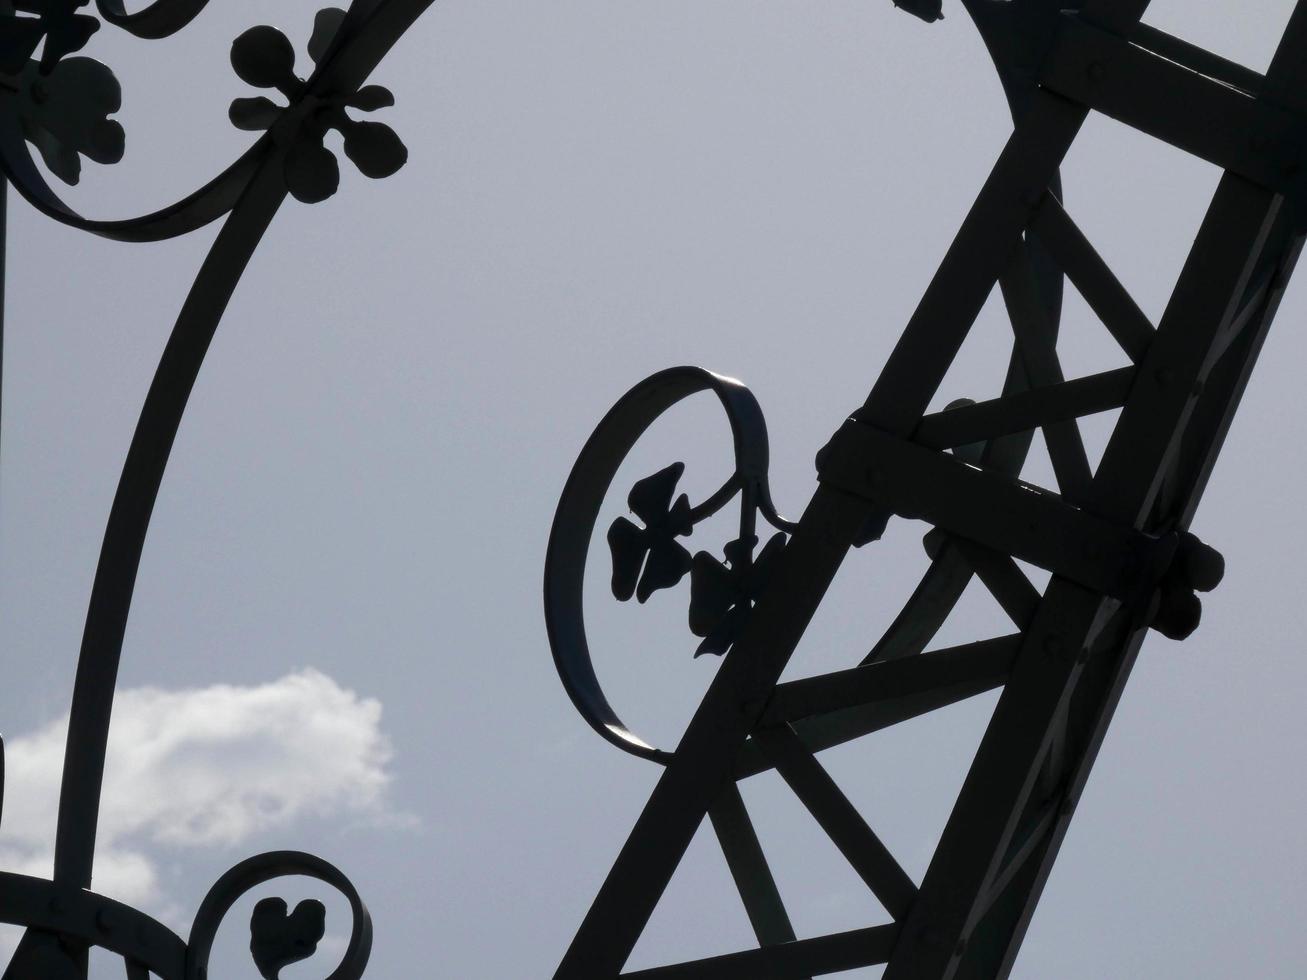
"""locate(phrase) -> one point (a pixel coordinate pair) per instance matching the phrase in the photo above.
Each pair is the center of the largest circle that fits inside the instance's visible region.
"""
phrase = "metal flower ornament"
(649, 558)
(56, 22)
(56, 110)
(62, 104)
(723, 594)
(264, 58)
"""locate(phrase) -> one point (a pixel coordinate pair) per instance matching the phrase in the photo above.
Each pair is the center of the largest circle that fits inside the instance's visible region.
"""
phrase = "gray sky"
(352, 529)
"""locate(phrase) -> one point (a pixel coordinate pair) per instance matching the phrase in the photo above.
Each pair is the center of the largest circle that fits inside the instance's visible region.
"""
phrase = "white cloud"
(198, 768)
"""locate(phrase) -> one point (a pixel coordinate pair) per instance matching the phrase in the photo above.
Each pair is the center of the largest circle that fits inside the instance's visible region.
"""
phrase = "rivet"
(1164, 376)
(1053, 644)
(1096, 71)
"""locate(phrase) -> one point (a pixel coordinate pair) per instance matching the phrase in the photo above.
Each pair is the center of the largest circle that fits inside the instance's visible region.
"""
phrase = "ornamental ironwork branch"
(56, 105)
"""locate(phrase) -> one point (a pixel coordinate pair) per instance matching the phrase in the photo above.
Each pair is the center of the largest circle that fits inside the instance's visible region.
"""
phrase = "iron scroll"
(579, 508)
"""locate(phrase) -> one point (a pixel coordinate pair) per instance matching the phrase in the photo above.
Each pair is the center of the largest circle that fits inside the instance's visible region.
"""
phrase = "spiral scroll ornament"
(648, 554)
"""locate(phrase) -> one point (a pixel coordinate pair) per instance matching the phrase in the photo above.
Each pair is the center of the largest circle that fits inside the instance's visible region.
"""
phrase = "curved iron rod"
(261, 868)
(129, 518)
(158, 20)
(352, 58)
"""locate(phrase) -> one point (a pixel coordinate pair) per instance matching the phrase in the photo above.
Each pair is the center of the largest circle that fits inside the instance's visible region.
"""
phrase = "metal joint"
(996, 511)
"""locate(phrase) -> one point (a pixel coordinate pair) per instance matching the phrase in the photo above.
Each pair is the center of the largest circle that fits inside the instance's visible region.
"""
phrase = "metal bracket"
(996, 511)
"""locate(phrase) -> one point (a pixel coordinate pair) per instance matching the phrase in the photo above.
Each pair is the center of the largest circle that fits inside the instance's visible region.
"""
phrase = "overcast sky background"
(337, 641)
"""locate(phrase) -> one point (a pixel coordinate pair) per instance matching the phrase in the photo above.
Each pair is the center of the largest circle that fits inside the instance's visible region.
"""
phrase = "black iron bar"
(1007, 515)
(707, 751)
(1026, 842)
(1109, 300)
(1036, 345)
(4, 234)
(1025, 410)
(1226, 127)
(1105, 676)
(1007, 764)
(973, 263)
(749, 869)
(932, 673)
(1198, 59)
(841, 821)
(106, 620)
(1004, 579)
(931, 602)
(793, 961)
(821, 732)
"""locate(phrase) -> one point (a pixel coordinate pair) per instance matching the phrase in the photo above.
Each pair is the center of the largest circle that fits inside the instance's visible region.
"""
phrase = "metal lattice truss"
(1113, 536)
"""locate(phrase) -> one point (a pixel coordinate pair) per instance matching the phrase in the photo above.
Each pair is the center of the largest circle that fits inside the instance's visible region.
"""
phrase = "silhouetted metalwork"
(1114, 536)
(59, 107)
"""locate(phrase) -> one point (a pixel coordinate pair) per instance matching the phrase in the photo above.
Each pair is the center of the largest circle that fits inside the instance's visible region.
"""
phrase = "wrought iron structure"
(1113, 536)
(57, 104)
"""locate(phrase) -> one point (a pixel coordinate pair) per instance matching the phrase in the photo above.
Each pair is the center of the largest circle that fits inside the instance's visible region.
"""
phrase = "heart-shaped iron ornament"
(279, 938)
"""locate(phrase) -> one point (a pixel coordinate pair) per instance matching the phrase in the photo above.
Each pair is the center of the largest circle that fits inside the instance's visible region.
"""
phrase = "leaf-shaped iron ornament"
(62, 106)
(279, 938)
(65, 114)
(649, 558)
(57, 21)
(722, 594)
(265, 58)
